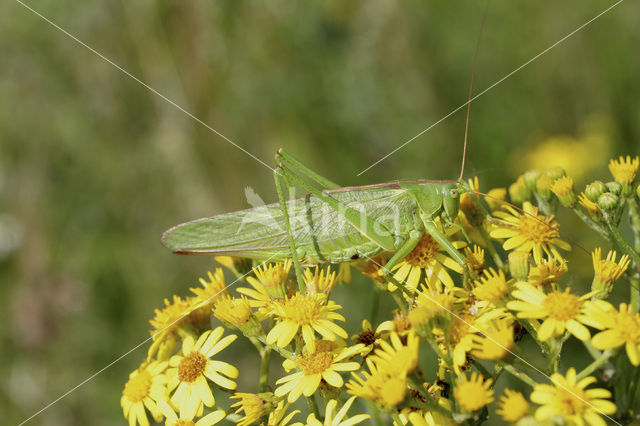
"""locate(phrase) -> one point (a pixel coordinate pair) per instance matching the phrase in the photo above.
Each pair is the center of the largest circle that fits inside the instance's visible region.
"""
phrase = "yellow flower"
(427, 256)
(512, 406)
(212, 289)
(620, 328)
(607, 271)
(193, 366)
(569, 399)
(529, 232)
(253, 405)
(381, 386)
(146, 385)
(589, 205)
(338, 419)
(401, 358)
(271, 284)
(563, 188)
(547, 273)
(168, 319)
(475, 259)
(320, 281)
(473, 394)
(370, 338)
(492, 287)
(495, 341)
(236, 312)
(186, 419)
(559, 311)
(323, 364)
(305, 313)
(277, 416)
(624, 170)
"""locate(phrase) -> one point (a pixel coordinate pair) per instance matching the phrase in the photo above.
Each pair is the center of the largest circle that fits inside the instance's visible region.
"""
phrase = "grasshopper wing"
(320, 232)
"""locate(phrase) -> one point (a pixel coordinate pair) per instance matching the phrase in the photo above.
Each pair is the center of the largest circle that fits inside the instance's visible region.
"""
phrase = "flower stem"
(594, 365)
(375, 305)
(264, 369)
(519, 374)
(373, 408)
(492, 249)
(622, 243)
(313, 406)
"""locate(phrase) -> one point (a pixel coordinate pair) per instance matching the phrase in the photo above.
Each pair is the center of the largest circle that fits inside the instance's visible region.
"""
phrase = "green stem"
(622, 243)
(634, 217)
(591, 223)
(313, 406)
(554, 352)
(594, 365)
(375, 305)
(482, 370)
(633, 388)
(492, 249)
(595, 354)
(519, 374)
(264, 370)
(373, 409)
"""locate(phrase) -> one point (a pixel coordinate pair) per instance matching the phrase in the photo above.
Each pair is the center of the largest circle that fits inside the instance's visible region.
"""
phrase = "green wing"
(321, 233)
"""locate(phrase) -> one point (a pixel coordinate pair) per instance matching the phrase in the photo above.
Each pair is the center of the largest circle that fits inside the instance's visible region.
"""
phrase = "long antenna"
(473, 73)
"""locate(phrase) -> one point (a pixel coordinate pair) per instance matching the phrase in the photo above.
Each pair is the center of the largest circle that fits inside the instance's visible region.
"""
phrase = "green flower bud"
(519, 264)
(595, 190)
(543, 186)
(555, 173)
(614, 188)
(530, 178)
(518, 191)
(608, 202)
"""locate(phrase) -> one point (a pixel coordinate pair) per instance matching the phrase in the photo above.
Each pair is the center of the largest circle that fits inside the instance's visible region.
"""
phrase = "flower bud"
(563, 188)
(555, 173)
(543, 186)
(595, 190)
(519, 264)
(518, 191)
(608, 202)
(530, 178)
(614, 188)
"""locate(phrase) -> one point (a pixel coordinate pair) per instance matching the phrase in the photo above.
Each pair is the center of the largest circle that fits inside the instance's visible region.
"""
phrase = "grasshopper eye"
(453, 193)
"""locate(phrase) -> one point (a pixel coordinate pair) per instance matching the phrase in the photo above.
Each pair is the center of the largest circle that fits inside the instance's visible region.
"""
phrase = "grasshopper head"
(451, 193)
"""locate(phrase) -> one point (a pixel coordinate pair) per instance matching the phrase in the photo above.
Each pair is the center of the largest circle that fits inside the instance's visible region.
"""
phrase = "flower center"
(562, 306)
(191, 367)
(538, 229)
(302, 309)
(181, 422)
(316, 363)
(424, 253)
(367, 337)
(137, 388)
(570, 403)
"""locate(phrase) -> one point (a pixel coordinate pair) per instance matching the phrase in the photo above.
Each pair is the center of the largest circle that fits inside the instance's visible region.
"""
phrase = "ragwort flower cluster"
(489, 339)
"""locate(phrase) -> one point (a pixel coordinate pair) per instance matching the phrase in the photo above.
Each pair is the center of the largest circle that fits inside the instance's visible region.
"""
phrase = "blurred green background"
(93, 166)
